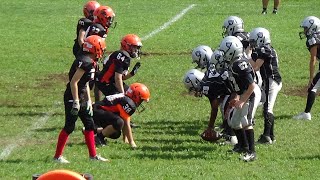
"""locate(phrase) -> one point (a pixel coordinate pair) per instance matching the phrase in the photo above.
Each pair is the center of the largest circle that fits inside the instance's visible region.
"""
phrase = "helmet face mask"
(192, 80)
(232, 49)
(138, 93)
(310, 25)
(232, 25)
(217, 61)
(201, 55)
(104, 15)
(132, 44)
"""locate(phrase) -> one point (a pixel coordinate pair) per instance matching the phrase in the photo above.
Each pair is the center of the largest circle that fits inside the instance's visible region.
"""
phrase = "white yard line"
(167, 24)
(24, 136)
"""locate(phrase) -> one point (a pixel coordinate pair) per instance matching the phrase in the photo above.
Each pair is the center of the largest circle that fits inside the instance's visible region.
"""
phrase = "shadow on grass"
(172, 139)
(308, 157)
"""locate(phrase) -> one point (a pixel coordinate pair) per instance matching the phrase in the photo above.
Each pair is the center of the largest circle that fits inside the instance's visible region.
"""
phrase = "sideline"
(167, 24)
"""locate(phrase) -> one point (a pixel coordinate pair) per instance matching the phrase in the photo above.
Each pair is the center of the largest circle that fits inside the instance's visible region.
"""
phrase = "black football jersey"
(215, 84)
(83, 24)
(270, 66)
(244, 38)
(116, 62)
(96, 29)
(83, 61)
(241, 75)
(314, 40)
(118, 103)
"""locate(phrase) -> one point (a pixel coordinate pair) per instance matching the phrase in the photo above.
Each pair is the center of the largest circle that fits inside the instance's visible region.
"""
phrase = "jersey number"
(127, 108)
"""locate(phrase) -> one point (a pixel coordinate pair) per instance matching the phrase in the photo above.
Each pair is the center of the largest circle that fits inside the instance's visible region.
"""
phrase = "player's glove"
(135, 68)
(89, 108)
(75, 107)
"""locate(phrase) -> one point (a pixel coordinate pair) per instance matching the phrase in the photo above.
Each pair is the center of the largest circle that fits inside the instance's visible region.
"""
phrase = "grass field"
(36, 54)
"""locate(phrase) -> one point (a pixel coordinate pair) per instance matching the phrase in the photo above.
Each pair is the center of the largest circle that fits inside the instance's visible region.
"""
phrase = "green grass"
(36, 54)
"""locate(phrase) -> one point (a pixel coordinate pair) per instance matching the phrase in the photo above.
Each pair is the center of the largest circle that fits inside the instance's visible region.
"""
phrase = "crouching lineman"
(244, 99)
(212, 84)
(114, 111)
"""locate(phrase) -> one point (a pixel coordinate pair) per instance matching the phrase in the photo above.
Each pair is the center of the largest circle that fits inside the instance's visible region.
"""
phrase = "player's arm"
(127, 131)
(81, 36)
(214, 111)
(245, 96)
(256, 64)
(74, 83)
(312, 63)
(119, 82)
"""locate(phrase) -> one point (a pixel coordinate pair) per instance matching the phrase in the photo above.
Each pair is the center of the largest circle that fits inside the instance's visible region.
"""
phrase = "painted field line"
(167, 24)
(38, 124)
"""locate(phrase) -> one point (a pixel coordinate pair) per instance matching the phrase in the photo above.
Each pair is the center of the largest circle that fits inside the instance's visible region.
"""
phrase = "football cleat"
(99, 158)
(99, 140)
(303, 116)
(248, 157)
(264, 139)
(61, 160)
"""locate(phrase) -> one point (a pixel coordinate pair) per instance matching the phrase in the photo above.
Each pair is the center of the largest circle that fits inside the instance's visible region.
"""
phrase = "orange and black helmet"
(94, 44)
(132, 44)
(138, 92)
(104, 15)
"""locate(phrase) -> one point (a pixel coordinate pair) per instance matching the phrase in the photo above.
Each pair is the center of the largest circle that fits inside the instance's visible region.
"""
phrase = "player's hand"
(75, 107)
(135, 69)
(239, 104)
(133, 145)
(89, 108)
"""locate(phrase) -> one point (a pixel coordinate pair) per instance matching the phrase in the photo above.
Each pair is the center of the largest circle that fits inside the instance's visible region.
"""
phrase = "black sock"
(264, 9)
(250, 136)
(310, 101)
(242, 139)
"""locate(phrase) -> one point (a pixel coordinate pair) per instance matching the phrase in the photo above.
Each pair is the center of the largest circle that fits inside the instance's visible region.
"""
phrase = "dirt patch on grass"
(52, 80)
(301, 91)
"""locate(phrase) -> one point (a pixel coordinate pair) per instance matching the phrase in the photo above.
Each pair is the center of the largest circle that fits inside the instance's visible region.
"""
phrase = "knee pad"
(115, 135)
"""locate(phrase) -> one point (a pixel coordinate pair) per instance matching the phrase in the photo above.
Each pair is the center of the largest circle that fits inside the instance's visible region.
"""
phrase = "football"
(210, 135)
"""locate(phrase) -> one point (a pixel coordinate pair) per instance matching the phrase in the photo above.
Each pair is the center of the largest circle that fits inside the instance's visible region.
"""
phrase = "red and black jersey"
(83, 24)
(83, 61)
(116, 62)
(96, 29)
(119, 104)
(241, 75)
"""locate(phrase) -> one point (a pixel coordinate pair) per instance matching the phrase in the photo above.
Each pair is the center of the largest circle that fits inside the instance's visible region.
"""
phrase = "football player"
(115, 67)
(244, 98)
(212, 84)
(77, 100)
(311, 30)
(265, 59)
(83, 24)
(114, 111)
(234, 26)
